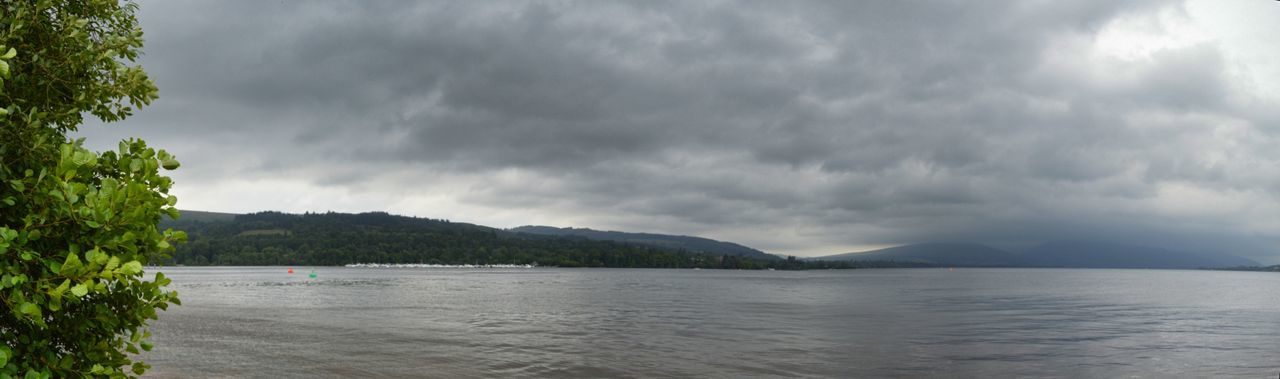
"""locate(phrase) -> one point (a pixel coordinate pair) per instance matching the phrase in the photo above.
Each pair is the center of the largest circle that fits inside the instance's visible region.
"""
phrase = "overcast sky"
(799, 128)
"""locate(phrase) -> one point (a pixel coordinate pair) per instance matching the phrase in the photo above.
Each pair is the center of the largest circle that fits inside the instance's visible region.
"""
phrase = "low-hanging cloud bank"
(794, 127)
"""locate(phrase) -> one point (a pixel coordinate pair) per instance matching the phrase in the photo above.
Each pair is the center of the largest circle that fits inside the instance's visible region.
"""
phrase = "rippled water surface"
(264, 322)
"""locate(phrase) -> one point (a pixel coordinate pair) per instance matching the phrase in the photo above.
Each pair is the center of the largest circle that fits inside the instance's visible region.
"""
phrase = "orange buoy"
(291, 270)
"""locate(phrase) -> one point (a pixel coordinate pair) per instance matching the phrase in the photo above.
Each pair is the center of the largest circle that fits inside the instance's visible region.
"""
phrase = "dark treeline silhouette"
(665, 241)
(327, 239)
(1275, 268)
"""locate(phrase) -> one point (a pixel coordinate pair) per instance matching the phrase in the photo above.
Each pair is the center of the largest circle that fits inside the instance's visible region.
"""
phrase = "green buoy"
(313, 274)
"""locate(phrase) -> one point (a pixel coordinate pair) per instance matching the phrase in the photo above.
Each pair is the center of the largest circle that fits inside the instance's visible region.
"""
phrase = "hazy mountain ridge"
(1070, 254)
(679, 242)
(940, 253)
(1094, 254)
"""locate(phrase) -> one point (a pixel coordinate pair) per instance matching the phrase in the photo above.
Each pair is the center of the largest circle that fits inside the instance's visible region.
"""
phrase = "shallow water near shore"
(564, 323)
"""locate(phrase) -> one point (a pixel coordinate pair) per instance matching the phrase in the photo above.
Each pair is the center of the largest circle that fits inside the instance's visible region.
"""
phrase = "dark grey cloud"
(790, 126)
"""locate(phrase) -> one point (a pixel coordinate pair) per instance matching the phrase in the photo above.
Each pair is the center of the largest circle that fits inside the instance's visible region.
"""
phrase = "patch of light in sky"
(1246, 32)
(1140, 36)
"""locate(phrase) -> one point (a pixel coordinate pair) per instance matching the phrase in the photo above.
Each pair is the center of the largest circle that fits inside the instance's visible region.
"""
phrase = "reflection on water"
(263, 322)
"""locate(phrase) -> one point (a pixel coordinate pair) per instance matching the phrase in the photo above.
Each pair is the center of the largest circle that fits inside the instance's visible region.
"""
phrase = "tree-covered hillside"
(689, 243)
(273, 238)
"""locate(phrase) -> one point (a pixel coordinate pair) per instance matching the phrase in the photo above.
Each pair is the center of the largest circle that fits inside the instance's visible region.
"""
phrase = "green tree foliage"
(76, 226)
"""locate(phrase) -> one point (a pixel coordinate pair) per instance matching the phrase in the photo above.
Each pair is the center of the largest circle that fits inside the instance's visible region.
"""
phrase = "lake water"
(565, 323)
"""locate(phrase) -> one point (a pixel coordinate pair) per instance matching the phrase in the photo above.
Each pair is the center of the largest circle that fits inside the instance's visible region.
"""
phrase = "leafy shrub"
(76, 226)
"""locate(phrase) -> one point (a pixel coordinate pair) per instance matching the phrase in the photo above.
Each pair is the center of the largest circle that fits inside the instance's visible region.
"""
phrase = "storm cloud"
(795, 127)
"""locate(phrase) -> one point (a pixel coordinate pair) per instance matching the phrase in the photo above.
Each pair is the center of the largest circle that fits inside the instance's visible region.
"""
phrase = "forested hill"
(695, 244)
(273, 238)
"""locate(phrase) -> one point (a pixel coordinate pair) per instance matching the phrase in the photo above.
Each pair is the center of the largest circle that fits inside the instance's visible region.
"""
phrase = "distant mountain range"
(687, 243)
(940, 253)
(1093, 254)
(1072, 254)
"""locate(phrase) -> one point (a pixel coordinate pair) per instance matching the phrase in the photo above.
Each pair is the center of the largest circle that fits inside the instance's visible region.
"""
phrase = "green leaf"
(140, 368)
(62, 288)
(4, 356)
(53, 266)
(98, 257)
(79, 290)
(4, 69)
(9, 55)
(111, 264)
(72, 265)
(131, 268)
(170, 164)
(30, 309)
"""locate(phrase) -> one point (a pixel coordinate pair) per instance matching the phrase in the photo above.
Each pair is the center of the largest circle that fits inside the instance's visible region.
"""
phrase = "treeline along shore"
(335, 239)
